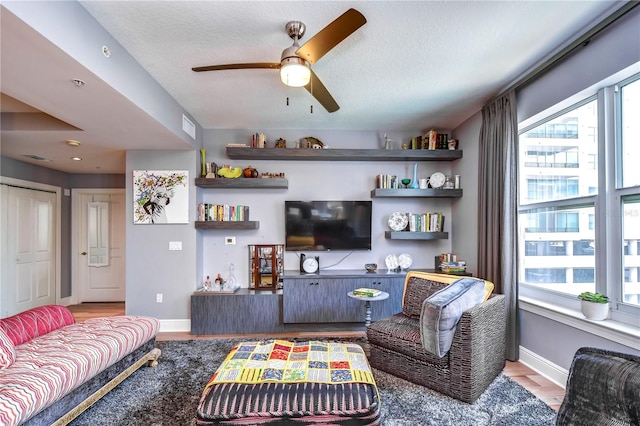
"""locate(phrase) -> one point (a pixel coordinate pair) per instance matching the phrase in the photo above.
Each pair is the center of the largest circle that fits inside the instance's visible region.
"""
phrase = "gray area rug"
(169, 395)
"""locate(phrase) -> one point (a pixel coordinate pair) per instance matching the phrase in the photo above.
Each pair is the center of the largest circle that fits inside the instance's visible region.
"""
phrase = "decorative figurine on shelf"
(250, 172)
(203, 163)
(220, 281)
(281, 143)
(207, 284)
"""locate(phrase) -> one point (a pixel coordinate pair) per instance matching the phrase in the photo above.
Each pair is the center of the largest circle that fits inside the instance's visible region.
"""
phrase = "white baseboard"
(544, 367)
(177, 325)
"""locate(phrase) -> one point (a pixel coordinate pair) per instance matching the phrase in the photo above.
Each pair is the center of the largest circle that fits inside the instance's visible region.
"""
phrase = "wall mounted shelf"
(415, 193)
(239, 183)
(211, 224)
(303, 154)
(404, 235)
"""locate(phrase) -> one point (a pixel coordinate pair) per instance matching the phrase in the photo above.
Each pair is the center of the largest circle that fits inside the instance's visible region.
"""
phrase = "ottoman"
(296, 383)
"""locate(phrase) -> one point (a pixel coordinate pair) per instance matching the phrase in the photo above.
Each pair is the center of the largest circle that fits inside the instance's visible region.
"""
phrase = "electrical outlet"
(158, 297)
(230, 241)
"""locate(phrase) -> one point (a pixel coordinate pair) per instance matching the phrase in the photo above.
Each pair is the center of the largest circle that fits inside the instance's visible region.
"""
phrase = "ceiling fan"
(295, 62)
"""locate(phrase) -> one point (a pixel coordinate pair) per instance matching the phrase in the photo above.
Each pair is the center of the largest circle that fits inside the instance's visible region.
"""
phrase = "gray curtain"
(497, 214)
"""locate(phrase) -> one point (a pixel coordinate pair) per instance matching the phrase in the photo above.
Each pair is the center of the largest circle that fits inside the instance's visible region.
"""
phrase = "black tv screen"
(327, 225)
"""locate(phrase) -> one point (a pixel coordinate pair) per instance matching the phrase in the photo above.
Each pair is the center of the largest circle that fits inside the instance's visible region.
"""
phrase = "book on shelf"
(426, 222)
(208, 212)
(367, 292)
(258, 140)
(387, 181)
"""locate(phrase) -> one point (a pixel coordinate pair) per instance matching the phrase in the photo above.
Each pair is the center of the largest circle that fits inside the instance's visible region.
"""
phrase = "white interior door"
(28, 249)
(101, 230)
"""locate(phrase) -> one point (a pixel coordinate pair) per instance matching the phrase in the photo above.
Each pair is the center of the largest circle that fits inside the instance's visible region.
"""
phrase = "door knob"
(84, 253)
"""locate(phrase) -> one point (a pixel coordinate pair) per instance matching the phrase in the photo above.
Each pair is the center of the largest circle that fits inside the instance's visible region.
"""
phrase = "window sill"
(618, 332)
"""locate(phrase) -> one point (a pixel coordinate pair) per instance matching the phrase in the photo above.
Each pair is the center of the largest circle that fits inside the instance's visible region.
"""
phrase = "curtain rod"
(583, 40)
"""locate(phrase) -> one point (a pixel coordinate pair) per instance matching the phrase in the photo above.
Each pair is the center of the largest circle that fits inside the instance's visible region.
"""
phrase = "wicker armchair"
(477, 354)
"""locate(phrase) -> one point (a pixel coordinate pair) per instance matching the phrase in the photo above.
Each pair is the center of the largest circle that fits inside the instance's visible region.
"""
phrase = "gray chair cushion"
(442, 310)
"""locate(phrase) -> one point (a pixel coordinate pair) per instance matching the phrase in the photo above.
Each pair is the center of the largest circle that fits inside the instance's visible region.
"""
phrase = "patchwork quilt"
(281, 361)
(282, 382)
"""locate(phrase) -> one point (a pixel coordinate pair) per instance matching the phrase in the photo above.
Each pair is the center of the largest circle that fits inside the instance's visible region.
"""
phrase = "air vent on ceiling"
(188, 127)
(37, 157)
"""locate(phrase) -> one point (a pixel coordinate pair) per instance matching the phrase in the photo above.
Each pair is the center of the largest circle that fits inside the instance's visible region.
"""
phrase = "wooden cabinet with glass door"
(266, 265)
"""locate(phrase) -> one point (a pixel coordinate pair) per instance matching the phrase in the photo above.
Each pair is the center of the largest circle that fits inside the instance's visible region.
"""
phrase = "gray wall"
(32, 173)
(320, 180)
(150, 267)
(558, 342)
(464, 218)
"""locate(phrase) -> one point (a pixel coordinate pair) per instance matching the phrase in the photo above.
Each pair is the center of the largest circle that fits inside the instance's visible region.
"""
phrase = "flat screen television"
(327, 225)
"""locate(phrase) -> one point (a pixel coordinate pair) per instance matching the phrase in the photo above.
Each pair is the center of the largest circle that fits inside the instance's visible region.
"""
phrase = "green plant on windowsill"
(593, 297)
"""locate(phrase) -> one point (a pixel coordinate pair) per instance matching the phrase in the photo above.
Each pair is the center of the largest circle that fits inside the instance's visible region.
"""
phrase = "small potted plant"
(595, 306)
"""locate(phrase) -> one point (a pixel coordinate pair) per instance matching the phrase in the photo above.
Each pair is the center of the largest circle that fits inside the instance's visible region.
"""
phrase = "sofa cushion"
(442, 311)
(36, 322)
(400, 333)
(420, 285)
(7, 351)
(50, 366)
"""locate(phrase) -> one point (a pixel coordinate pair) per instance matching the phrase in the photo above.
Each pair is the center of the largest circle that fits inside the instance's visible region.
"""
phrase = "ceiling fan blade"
(331, 35)
(270, 65)
(322, 95)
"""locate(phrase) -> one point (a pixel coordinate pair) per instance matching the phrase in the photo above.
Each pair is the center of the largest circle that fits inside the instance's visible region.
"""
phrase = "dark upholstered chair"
(603, 388)
(476, 356)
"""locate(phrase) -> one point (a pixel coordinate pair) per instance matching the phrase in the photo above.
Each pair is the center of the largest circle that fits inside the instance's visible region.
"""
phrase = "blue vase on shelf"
(414, 182)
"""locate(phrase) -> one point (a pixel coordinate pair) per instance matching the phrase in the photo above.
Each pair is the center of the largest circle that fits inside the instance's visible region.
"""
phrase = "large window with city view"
(565, 234)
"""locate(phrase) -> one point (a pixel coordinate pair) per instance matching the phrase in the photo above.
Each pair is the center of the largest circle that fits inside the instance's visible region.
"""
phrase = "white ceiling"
(414, 65)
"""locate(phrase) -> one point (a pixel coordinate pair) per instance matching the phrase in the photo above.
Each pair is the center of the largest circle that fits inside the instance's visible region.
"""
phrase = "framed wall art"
(160, 196)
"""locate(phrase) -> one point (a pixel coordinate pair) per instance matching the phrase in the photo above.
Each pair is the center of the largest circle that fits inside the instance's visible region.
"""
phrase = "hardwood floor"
(541, 387)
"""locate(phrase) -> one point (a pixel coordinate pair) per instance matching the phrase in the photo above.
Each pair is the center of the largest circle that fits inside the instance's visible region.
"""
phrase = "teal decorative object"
(414, 182)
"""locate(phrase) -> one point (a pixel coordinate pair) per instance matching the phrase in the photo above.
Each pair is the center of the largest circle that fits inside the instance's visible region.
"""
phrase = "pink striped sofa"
(52, 368)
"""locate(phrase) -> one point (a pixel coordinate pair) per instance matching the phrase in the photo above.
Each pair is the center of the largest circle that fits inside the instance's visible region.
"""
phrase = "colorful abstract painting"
(160, 196)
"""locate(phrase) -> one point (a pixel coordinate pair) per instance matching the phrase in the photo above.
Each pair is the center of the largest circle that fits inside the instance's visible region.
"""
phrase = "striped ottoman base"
(289, 404)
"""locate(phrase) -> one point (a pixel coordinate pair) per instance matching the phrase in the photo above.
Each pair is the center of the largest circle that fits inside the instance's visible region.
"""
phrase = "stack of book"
(258, 140)
(367, 292)
(222, 212)
(387, 181)
(430, 140)
(426, 222)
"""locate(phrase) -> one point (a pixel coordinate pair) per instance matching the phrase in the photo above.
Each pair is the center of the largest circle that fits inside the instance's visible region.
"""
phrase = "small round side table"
(367, 317)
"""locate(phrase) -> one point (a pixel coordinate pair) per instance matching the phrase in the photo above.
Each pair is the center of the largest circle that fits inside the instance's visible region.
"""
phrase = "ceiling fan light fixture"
(295, 71)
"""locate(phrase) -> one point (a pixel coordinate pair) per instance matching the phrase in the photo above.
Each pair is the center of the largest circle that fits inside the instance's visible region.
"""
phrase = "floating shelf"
(238, 183)
(302, 154)
(211, 224)
(404, 235)
(416, 193)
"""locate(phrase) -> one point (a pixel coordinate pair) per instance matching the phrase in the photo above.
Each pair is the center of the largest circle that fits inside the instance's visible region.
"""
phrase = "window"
(631, 257)
(573, 200)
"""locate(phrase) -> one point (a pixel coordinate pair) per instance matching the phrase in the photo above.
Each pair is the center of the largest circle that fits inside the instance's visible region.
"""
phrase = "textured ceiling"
(414, 65)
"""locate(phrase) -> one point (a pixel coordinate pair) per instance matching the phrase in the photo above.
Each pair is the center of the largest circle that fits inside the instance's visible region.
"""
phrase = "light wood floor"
(541, 387)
